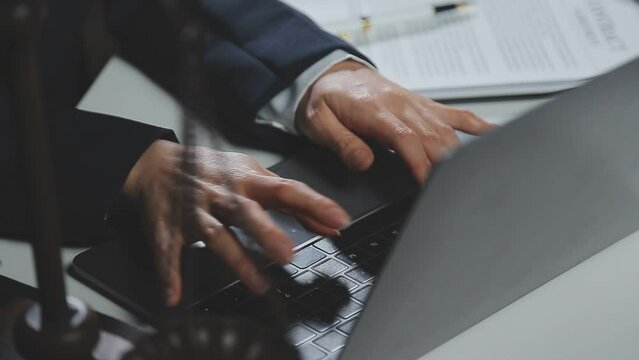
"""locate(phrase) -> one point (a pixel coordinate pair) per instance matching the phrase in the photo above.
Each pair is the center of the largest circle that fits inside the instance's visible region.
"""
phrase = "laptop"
(503, 215)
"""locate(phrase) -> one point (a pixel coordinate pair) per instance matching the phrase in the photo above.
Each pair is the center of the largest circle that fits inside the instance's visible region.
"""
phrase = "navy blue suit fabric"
(254, 49)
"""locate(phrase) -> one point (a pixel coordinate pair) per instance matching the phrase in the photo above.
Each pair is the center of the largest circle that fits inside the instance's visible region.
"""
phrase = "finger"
(462, 120)
(438, 138)
(251, 217)
(316, 227)
(311, 225)
(392, 132)
(167, 250)
(224, 245)
(326, 129)
(277, 192)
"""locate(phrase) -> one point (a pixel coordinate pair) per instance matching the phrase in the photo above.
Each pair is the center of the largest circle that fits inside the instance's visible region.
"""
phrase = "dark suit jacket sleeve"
(255, 48)
(93, 155)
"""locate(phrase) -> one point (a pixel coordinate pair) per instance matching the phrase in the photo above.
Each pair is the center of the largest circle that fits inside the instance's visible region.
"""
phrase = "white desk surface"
(586, 313)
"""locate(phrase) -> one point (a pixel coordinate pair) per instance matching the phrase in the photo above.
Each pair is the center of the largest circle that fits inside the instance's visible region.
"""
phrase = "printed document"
(496, 47)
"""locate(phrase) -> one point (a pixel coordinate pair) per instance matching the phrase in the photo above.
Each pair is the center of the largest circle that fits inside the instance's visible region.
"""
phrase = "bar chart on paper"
(494, 47)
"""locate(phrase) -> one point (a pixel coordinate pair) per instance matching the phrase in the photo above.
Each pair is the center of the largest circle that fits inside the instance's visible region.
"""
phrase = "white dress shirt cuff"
(280, 111)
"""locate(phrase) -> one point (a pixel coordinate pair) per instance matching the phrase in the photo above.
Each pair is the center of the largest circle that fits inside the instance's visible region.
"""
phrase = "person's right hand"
(229, 189)
(350, 102)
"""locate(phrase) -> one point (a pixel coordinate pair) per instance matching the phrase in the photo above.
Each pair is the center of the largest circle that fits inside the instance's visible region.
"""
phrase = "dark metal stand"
(15, 298)
(187, 335)
(56, 325)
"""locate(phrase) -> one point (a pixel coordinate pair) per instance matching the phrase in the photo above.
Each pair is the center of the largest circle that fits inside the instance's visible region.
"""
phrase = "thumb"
(326, 129)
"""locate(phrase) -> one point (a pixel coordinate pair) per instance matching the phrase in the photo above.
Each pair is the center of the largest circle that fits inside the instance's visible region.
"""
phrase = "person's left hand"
(225, 189)
(351, 101)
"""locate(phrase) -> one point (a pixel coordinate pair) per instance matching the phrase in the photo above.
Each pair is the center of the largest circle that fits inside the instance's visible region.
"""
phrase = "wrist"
(346, 65)
(134, 182)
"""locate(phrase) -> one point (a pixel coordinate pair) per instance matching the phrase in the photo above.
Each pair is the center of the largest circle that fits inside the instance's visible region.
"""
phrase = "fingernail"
(361, 159)
(259, 283)
(338, 218)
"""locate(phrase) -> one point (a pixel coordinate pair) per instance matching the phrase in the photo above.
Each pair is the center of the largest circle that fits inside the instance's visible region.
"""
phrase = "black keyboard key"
(297, 311)
(330, 268)
(347, 326)
(375, 264)
(353, 256)
(362, 295)
(339, 287)
(348, 284)
(255, 308)
(202, 308)
(278, 273)
(322, 321)
(309, 352)
(288, 290)
(299, 334)
(349, 309)
(226, 299)
(360, 274)
(307, 279)
(375, 245)
(307, 257)
(391, 233)
(317, 299)
(346, 241)
(327, 245)
(290, 269)
(331, 341)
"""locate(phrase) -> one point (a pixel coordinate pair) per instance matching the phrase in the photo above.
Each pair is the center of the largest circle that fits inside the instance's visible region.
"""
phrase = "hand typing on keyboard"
(227, 189)
(350, 102)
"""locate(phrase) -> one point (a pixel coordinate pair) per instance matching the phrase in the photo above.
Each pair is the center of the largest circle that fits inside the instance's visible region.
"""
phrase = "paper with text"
(503, 47)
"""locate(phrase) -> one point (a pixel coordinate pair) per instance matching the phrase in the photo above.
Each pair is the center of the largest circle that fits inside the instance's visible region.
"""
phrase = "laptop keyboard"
(323, 291)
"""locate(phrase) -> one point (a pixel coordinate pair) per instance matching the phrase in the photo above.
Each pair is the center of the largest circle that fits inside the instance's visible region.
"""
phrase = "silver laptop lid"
(506, 214)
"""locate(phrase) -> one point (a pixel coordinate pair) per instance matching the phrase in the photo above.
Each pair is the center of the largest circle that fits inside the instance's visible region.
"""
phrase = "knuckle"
(362, 92)
(442, 130)
(405, 133)
(390, 90)
(366, 98)
(447, 131)
(428, 135)
(247, 206)
(347, 144)
(228, 203)
(284, 183)
(283, 187)
(212, 231)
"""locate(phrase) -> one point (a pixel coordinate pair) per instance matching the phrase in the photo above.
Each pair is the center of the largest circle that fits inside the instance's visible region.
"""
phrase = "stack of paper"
(503, 47)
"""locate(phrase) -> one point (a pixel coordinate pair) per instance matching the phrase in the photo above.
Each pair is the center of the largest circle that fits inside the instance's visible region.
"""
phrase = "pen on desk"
(367, 27)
